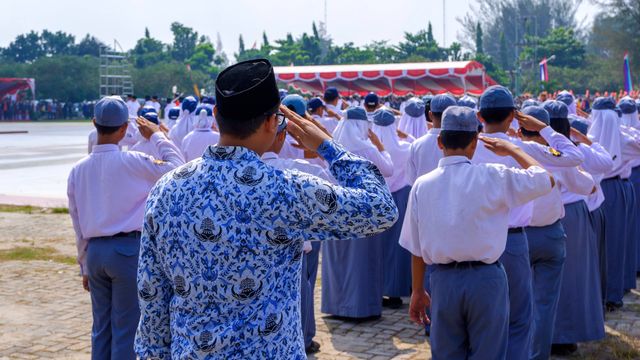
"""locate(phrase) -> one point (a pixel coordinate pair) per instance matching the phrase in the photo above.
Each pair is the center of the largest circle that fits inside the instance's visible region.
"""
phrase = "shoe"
(563, 349)
(313, 348)
(613, 306)
(392, 302)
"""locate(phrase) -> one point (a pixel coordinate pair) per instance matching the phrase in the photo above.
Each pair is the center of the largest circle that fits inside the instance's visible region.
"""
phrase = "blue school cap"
(356, 113)
(190, 104)
(459, 118)
(604, 103)
(627, 105)
(174, 113)
(441, 102)
(496, 96)
(111, 111)
(529, 102)
(414, 107)
(296, 103)
(468, 101)
(151, 116)
(331, 93)
(371, 99)
(537, 112)
(580, 125)
(556, 109)
(314, 104)
(384, 117)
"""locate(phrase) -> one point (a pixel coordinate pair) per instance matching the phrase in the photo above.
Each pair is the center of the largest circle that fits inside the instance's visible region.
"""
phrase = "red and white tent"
(10, 86)
(455, 77)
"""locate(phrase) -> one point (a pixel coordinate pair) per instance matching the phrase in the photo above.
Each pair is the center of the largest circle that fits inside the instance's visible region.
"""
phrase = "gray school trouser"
(469, 312)
(112, 264)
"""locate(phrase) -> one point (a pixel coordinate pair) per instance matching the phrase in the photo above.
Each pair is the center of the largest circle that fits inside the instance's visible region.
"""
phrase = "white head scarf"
(605, 129)
(184, 125)
(203, 121)
(631, 120)
(353, 133)
(414, 126)
(398, 149)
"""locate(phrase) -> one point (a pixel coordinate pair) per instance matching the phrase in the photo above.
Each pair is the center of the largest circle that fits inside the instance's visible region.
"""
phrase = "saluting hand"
(376, 141)
(499, 146)
(305, 132)
(420, 301)
(146, 127)
(580, 137)
(529, 122)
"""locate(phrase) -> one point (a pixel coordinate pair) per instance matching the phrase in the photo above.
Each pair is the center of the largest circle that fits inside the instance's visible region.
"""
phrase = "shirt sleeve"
(561, 152)
(411, 173)
(597, 159)
(153, 337)
(577, 182)
(630, 146)
(81, 242)
(524, 185)
(359, 206)
(410, 236)
(151, 168)
(383, 161)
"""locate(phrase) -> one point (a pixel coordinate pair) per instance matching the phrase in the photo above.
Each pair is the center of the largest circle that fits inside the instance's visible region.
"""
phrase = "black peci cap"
(246, 90)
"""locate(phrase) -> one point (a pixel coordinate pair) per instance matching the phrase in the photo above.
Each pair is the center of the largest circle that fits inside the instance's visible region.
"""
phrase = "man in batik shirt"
(221, 250)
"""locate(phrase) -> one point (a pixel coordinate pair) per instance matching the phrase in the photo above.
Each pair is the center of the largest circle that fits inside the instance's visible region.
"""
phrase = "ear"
(271, 124)
(430, 116)
(479, 116)
(439, 141)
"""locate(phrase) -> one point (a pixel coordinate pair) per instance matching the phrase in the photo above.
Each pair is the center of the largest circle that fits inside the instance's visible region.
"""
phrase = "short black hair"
(496, 115)
(107, 130)
(242, 129)
(457, 139)
(528, 133)
(561, 125)
(438, 116)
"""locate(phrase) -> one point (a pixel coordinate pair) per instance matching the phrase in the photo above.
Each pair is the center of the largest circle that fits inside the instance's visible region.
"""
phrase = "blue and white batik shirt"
(220, 257)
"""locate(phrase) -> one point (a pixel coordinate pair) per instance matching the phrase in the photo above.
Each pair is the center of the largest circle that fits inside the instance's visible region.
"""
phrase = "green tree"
(25, 48)
(58, 43)
(265, 40)
(89, 45)
(420, 46)
(561, 42)
(479, 46)
(149, 51)
(66, 78)
(161, 77)
(184, 41)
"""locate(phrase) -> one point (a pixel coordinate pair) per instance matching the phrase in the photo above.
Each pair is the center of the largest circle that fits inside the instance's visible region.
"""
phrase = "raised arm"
(170, 156)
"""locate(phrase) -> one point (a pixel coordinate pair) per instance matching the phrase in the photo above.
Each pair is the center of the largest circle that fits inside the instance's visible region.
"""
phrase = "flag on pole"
(544, 74)
(628, 85)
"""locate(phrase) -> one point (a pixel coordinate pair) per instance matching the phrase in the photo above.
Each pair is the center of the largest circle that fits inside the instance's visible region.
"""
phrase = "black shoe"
(313, 348)
(392, 302)
(613, 306)
(563, 349)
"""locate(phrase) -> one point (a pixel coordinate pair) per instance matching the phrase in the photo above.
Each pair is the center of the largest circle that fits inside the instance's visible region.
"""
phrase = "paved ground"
(44, 313)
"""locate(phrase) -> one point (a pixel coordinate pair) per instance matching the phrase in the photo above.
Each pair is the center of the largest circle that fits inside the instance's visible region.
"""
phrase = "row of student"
(360, 271)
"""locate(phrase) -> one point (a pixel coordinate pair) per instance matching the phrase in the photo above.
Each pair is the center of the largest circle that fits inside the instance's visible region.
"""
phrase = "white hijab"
(605, 130)
(184, 125)
(414, 126)
(398, 149)
(202, 121)
(631, 120)
(353, 134)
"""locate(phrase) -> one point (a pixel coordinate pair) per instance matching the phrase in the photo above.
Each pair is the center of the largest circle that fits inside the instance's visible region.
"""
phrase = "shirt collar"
(498, 135)
(229, 153)
(434, 131)
(269, 156)
(453, 160)
(105, 148)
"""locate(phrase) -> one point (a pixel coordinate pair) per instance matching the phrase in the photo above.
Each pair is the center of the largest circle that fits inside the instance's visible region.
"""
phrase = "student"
(396, 260)
(172, 116)
(148, 147)
(605, 129)
(632, 123)
(297, 104)
(133, 106)
(311, 249)
(107, 191)
(333, 102)
(413, 120)
(425, 153)
(352, 274)
(202, 135)
(316, 109)
(497, 109)
(457, 220)
(221, 251)
(371, 104)
(469, 102)
(185, 122)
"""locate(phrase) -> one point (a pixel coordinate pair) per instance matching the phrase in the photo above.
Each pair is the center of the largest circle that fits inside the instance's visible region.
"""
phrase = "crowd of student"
(512, 227)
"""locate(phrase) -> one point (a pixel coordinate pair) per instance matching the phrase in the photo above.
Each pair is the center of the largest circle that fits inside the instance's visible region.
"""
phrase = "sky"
(360, 22)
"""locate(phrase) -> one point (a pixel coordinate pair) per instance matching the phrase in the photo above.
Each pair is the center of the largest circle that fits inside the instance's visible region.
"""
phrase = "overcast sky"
(359, 22)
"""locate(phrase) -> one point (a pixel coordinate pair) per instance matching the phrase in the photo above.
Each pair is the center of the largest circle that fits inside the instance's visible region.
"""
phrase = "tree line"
(509, 37)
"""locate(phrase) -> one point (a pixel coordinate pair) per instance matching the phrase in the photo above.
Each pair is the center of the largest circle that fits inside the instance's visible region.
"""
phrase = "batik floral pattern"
(221, 250)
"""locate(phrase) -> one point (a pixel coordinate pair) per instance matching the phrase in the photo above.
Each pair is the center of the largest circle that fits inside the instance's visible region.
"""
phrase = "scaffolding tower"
(115, 71)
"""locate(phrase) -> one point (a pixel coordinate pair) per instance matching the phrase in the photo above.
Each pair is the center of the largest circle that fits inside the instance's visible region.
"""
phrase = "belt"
(464, 264)
(516, 230)
(613, 178)
(127, 234)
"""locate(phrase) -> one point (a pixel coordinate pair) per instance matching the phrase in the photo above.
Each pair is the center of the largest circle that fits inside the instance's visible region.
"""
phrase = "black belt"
(517, 230)
(613, 178)
(464, 264)
(128, 234)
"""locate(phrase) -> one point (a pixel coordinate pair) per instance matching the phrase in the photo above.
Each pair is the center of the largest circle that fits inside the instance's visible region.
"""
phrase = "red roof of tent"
(10, 86)
(456, 77)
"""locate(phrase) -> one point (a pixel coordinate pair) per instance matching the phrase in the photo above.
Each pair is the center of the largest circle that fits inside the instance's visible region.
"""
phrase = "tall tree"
(89, 45)
(58, 43)
(25, 48)
(184, 41)
(265, 40)
(479, 45)
(241, 48)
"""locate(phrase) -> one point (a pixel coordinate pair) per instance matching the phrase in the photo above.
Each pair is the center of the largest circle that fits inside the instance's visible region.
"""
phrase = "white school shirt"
(336, 108)
(156, 105)
(272, 159)
(380, 159)
(330, 123)
(147, 146)
(631, 155)
(460, 211)
(131, 137)
(289, 151)
(567, 155)
(424, 155)
(108, 189)
(197, 141)
(133, 106)
(167, 107)
(597, 162)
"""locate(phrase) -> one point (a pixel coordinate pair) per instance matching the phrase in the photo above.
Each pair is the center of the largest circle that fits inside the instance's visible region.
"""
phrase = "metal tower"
(115, 71)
